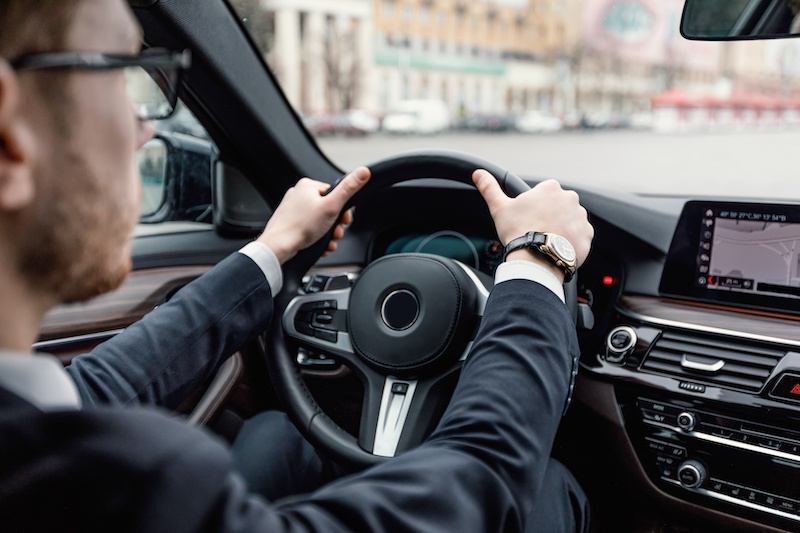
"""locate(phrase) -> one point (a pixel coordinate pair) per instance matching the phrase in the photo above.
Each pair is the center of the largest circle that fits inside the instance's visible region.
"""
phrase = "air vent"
(715, 360)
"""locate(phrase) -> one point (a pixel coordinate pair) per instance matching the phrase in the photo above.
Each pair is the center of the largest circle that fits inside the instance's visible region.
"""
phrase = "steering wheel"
(404, 327)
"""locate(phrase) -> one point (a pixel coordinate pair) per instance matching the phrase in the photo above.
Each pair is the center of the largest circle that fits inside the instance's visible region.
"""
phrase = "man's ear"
(16, 179)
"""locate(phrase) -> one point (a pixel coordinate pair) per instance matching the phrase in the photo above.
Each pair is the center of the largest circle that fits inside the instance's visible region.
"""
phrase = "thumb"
(349, 185)
(489, 188)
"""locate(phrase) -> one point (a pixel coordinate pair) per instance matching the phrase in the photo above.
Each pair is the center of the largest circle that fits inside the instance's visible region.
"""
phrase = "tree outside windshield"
(601, 93)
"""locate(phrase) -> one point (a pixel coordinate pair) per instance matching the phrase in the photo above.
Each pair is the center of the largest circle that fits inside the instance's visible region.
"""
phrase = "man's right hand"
(546, 208)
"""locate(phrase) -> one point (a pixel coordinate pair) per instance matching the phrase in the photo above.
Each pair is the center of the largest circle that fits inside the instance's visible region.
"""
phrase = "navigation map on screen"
(749, 252)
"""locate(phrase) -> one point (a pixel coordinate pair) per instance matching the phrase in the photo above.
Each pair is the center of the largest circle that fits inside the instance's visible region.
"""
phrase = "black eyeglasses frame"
(153, 60)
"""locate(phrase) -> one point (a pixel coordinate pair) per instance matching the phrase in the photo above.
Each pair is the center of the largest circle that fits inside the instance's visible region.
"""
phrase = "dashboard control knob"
(687, 421)
(620, 343)
(692, 474)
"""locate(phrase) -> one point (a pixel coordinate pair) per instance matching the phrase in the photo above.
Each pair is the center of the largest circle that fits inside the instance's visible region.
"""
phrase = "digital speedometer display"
(739, 253)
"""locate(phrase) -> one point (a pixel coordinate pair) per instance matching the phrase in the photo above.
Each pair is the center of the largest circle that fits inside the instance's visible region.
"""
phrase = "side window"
(175, 170)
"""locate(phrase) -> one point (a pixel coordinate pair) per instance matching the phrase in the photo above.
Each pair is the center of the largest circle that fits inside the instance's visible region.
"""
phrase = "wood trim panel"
(138, 295)
(711, 316)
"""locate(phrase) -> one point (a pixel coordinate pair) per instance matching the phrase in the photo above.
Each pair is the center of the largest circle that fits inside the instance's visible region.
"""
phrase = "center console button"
(665, 460)
(677, 451)
(692, 474)
(772, 444)
(656, 446)
(687, 421)
(790, 506)
(667, 472)
(619, 343)
(718, 486)
(789, 447)
(658, 407)
(767, 500)
(722, 432)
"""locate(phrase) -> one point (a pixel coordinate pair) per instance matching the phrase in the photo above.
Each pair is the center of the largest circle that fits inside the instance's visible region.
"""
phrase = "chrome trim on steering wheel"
(395, 403)
(483, 296)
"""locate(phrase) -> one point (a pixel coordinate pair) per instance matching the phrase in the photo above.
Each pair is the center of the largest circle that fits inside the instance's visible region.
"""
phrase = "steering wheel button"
(316, 283)
(400, 388)
(304, 328)
(323, 318)
(326, 304)
(330, 336)
(338, 282)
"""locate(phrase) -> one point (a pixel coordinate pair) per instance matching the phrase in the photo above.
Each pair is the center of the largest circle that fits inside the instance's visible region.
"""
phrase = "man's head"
(69, 188)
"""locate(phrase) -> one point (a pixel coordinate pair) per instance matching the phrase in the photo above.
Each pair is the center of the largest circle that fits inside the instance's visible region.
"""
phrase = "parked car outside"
(417, 117)
(356, 122)
(539, 122)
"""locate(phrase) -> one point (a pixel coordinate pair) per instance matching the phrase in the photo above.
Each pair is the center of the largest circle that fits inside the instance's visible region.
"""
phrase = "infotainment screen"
(738, 253)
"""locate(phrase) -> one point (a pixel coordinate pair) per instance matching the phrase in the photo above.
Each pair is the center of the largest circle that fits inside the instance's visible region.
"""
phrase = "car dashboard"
(687, 409)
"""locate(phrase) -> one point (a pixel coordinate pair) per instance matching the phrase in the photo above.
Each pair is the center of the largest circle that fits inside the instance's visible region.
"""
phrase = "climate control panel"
(700, 453)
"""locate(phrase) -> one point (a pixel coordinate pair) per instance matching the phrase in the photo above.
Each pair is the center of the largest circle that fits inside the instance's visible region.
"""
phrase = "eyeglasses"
(152, 77)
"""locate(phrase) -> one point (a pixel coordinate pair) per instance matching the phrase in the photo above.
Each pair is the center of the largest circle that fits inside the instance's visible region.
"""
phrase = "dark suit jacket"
(134, 470)
(176, 348)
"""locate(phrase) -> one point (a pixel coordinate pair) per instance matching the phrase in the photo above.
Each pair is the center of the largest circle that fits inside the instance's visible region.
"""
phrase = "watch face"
(562, 248)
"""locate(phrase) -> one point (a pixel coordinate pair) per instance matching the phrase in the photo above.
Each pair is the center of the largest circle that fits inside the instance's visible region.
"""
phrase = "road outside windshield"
(600, 93)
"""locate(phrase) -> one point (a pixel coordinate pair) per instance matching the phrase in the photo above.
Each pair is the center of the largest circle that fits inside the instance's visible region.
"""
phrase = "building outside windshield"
(598, 93)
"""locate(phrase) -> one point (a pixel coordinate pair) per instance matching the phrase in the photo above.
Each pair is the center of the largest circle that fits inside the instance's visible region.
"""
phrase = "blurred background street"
(634, 161)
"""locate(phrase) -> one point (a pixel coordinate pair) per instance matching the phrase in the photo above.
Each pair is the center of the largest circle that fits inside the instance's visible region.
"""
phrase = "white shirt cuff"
(267, 262)
(522, 269)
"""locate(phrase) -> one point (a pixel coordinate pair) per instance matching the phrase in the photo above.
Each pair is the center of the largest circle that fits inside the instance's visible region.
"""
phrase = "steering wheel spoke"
(400, 412)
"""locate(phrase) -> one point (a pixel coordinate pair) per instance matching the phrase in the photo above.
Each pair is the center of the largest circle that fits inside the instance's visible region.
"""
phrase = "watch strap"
(534, 240)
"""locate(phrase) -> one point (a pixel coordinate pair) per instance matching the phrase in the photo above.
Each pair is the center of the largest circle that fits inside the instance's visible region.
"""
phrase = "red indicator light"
(608, 280)
(795, 389)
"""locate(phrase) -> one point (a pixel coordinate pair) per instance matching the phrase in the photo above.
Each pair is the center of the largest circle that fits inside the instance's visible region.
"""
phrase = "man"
(68, 202)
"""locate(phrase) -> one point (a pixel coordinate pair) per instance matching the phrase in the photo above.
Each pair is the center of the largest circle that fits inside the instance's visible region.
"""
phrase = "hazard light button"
(787, 388)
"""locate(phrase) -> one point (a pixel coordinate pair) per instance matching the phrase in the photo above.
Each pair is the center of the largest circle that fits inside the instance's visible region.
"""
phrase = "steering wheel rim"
(286, 376)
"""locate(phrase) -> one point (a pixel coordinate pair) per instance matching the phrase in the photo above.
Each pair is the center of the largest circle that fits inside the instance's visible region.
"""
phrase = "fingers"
(489, 188)
(347, 218)
(338, 233)
(350, 184)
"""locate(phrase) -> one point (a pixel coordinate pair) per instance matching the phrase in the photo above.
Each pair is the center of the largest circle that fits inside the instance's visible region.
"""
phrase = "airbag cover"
(406, 310)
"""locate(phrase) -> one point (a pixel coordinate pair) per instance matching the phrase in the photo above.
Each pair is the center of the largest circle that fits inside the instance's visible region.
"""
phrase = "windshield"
(598, 93)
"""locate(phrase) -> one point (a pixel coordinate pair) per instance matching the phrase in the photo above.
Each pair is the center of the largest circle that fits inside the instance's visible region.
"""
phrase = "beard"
(77, 243)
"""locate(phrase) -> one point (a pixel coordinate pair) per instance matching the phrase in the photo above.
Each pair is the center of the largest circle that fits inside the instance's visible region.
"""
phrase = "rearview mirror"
(732, 20)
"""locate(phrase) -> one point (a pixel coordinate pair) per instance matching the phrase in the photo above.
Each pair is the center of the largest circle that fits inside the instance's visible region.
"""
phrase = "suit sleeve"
(482, 467)
(174, 349)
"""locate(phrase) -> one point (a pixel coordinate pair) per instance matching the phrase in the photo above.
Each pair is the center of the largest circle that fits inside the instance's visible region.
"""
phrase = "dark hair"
(31, 26)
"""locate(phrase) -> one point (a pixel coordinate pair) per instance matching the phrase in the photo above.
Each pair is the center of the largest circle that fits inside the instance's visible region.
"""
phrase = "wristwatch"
(555, 247)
